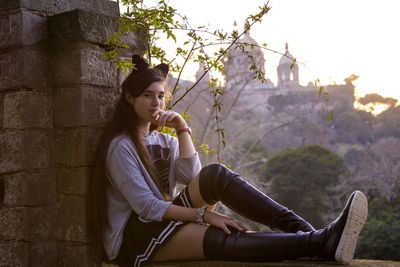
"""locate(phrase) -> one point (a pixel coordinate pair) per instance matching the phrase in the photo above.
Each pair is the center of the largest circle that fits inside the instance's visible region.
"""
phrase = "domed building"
(288, 70)
(240, 89)
(237, 64)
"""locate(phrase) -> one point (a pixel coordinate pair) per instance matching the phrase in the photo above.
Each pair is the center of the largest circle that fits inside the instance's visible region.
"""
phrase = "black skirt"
(141, 240)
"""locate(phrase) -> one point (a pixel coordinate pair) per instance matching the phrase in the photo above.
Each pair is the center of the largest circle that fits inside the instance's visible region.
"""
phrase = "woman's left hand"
(222, 221)
(168, 118)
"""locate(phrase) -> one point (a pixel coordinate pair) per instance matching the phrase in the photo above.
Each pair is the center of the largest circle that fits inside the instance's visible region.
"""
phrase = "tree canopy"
(301, 179)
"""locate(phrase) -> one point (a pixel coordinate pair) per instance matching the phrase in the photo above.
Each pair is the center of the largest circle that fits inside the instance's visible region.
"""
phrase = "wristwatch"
(187, 129)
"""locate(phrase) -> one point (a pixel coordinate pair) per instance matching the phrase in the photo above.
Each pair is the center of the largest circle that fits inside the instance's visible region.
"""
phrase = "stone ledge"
(85, 26)
(354, 263)
(82, 26)
(106, 7)
(22, 28)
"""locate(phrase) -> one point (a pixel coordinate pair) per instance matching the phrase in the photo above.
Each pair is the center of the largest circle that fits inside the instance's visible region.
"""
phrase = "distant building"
(244, 92)
(288, 71)
(238, 64)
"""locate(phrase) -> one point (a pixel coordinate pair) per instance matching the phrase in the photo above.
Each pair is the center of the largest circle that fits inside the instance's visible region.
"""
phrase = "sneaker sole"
(356, 219)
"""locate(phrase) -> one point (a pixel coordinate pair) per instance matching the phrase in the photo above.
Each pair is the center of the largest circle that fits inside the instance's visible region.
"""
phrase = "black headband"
(142, 76)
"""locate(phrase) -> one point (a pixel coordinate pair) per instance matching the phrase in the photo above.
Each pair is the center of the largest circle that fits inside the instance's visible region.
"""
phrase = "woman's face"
(150, 100)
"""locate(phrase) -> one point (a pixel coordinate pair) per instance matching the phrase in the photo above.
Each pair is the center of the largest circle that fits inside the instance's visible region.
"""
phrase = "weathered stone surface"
(1, 110)
(43, 254)
(22, 28)
(305, 263)
(121, 74)
(136, 42)
(76, 147)
(353, 263)
(106, 7)
(73, 255)
(73, 180)
(14, 254)
(26, 223)
(84, 26)
(22, 150)
(71, 218)
(83, 65)
(1, 191)
(25, 109)
(41, 223)
(29, 189)
(83, 106)
(24, 68)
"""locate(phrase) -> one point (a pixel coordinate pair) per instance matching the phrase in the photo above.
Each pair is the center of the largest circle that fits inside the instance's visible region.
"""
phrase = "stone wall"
(56, 92)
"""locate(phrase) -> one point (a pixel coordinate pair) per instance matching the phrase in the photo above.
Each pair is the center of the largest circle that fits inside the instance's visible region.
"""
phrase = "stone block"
(1, 110)
(105, 7)
(121, 74)
(83, 106)
(84, 26)
(76, 147)
(74, 255)
(71, 218)
(22, 28)
(22, 150)
(29, 189)
(24, 68)
(43, 254)
(14, 254)
(1, 191)
(27, 223)
(83, 65)
(25, 109)
(41, 223)
(289, 263)
(73, 180)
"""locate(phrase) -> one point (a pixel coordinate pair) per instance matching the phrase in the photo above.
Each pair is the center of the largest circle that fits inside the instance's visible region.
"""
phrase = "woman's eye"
(160, 96)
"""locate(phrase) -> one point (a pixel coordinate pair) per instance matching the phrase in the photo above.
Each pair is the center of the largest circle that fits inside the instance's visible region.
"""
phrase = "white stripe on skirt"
(184, 199)
(163, 235)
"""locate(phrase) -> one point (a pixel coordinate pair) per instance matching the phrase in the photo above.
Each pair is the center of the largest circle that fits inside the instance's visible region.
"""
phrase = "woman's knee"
(213, 178)
(211, 170)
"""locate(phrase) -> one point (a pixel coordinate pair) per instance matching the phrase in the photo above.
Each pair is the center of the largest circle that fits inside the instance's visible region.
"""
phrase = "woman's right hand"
(223, 221)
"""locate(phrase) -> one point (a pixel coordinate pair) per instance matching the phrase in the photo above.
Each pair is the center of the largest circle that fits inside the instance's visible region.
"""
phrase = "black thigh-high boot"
(252, 246)
(218, 183)
(336, 242)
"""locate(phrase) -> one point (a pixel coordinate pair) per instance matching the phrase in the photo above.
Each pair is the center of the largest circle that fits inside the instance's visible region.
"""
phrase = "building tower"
(288, 70)
(237, 63)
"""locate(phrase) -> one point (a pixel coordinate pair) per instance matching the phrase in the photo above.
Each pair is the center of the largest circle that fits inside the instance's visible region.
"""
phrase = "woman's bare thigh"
(186, 244)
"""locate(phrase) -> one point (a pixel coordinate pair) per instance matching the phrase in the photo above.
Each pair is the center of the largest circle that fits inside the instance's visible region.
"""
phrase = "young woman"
(136, 216)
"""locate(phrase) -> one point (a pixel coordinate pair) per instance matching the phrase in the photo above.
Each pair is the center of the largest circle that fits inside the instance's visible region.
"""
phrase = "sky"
(333, 38)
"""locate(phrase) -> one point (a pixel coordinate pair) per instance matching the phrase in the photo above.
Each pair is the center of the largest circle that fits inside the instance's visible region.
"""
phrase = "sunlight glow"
(375, 109)
(333, 38)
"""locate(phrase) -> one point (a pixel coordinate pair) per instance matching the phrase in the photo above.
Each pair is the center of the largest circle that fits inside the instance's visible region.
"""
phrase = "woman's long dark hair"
(124, 120)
